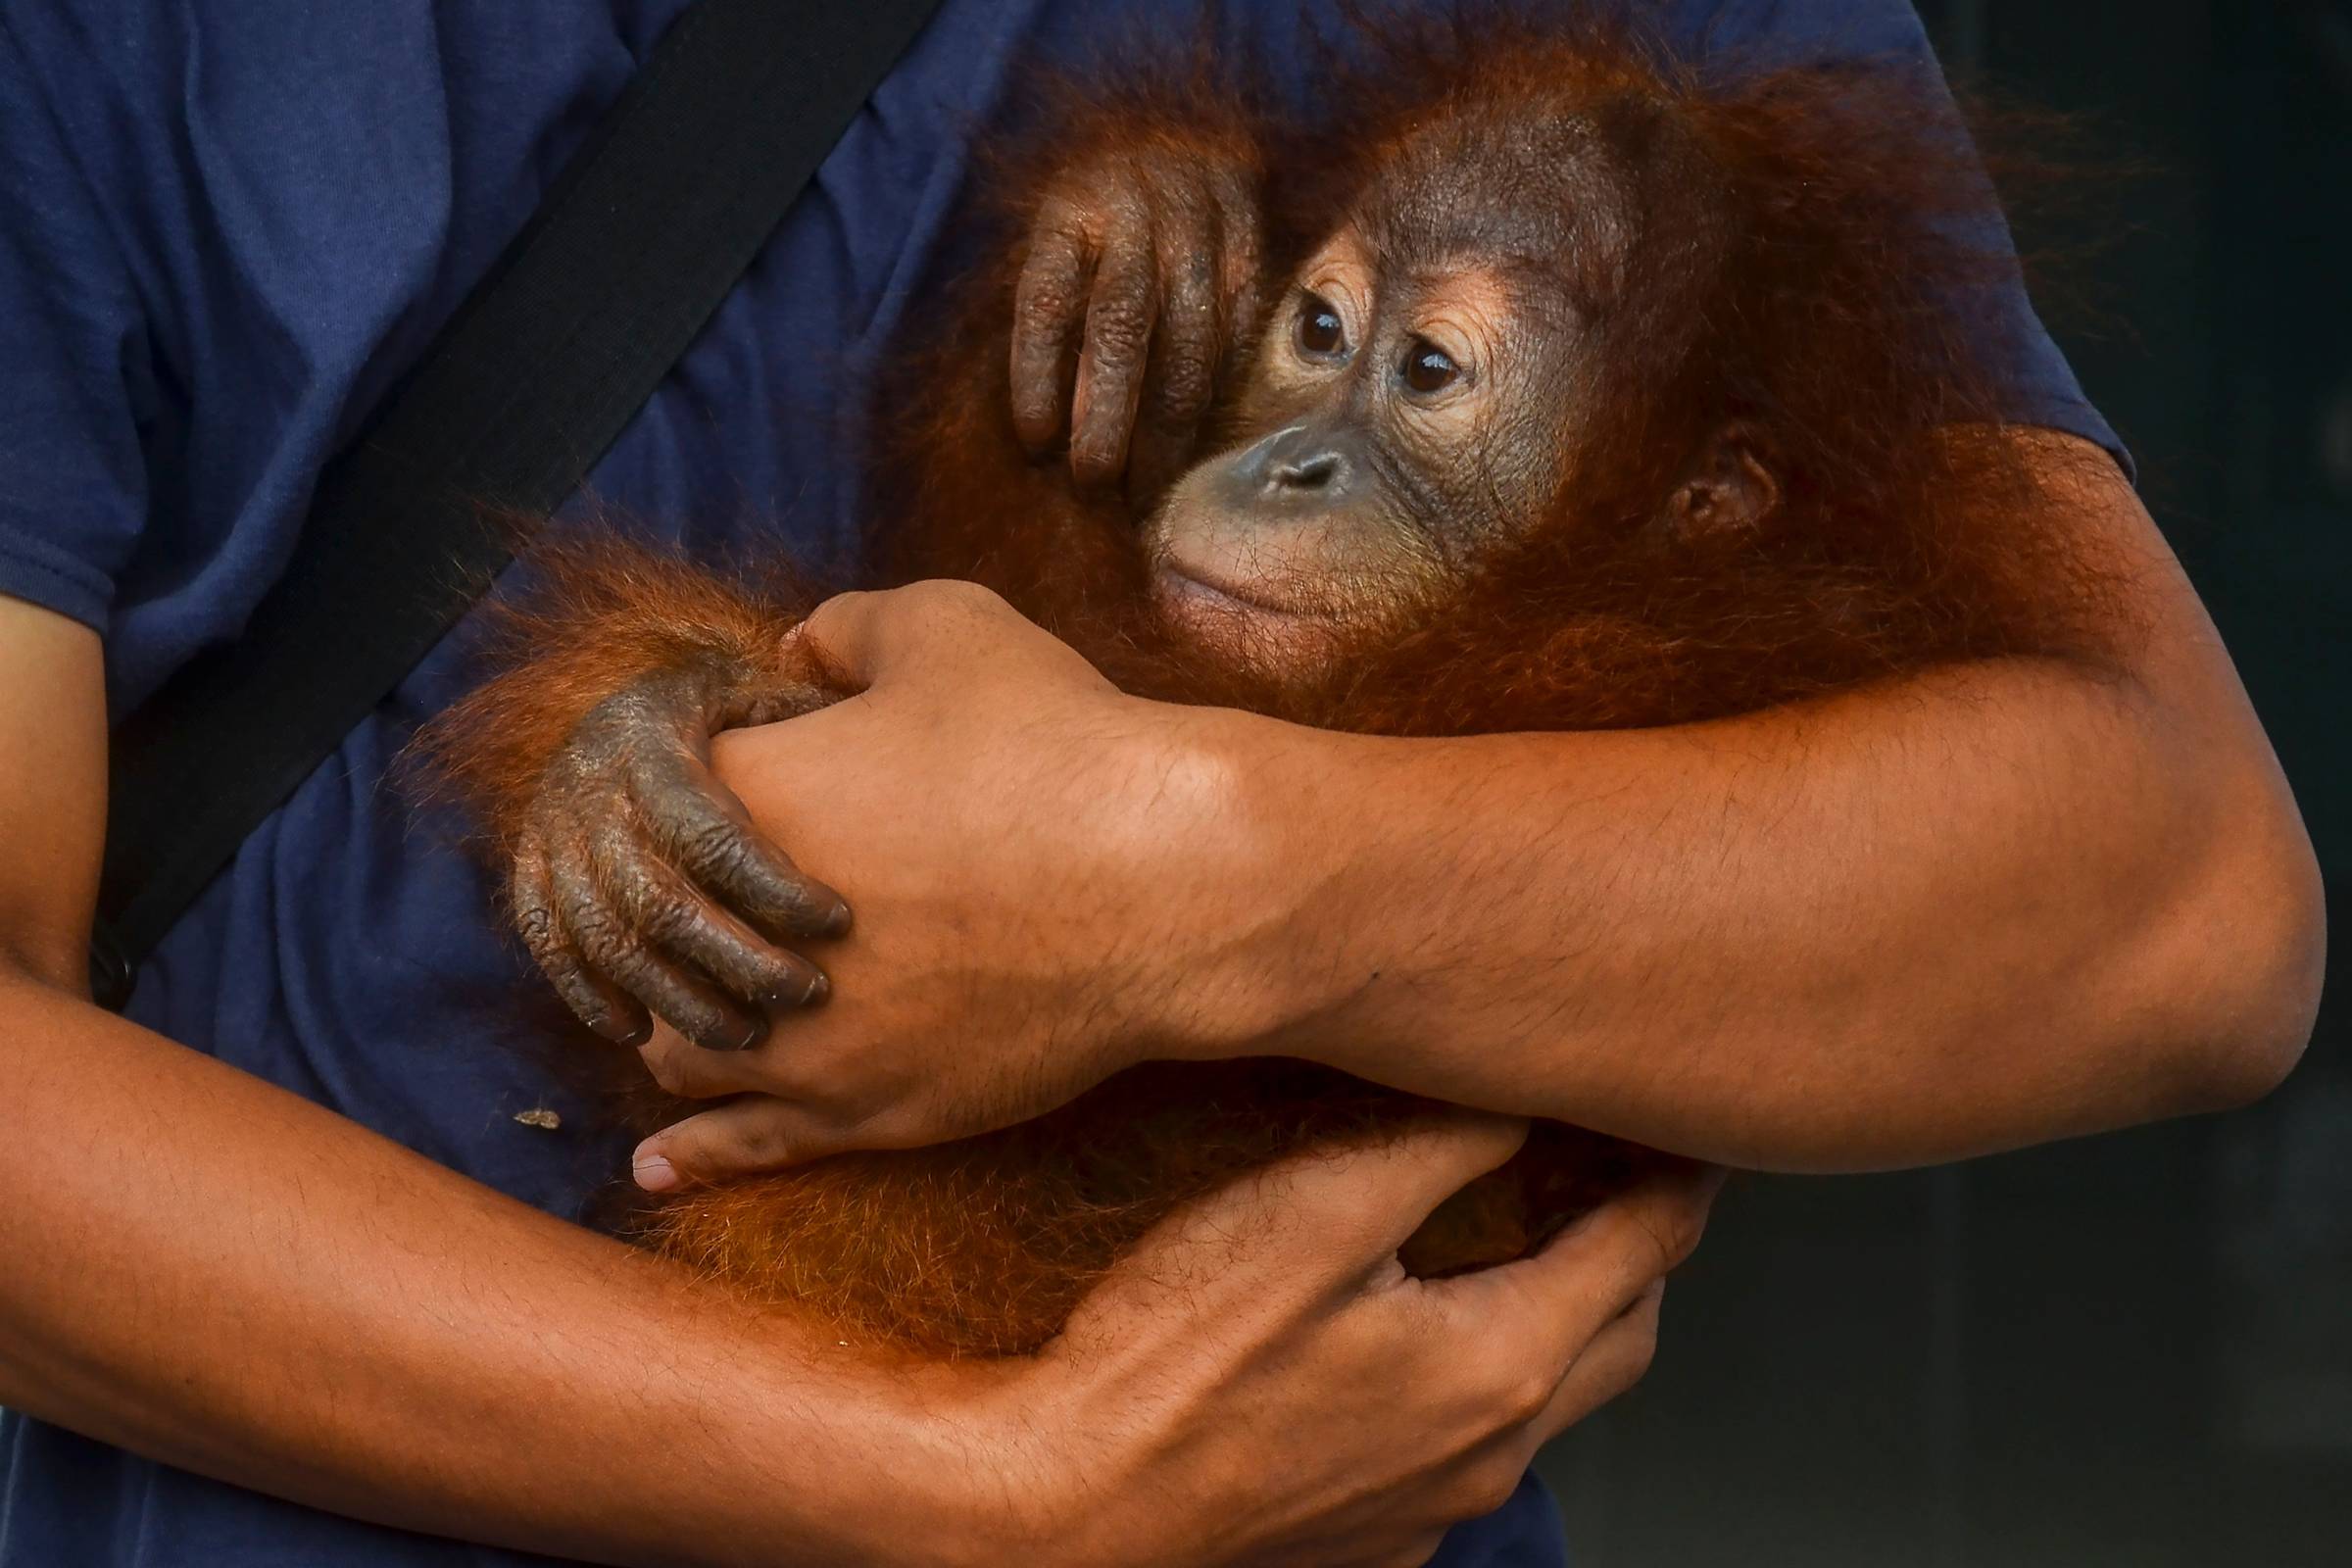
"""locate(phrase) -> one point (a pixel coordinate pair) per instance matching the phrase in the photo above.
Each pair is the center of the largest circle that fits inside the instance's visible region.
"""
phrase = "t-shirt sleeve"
(72, 352)
(2039, 385)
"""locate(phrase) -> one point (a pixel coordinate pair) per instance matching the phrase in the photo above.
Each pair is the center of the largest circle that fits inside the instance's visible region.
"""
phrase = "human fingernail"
(653, 1173)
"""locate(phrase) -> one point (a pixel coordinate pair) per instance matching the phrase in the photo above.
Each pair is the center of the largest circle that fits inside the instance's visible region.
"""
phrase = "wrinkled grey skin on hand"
(634, 855)
(1138, 287)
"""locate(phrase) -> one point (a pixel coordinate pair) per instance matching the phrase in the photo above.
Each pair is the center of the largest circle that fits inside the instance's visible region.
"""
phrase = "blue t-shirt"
(224, 231)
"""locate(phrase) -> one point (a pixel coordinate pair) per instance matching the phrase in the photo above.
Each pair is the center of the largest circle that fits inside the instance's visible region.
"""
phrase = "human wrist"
(967, 1470)
(1248, 856)
(875, 1460)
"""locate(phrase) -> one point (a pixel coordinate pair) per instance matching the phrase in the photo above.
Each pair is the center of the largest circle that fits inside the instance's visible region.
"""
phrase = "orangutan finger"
(610, 942)
(699, 824)
(1184, 361)
(594, 1001)
(1047, 311)
(1238, 245)
(1118, 345)
(673, 916)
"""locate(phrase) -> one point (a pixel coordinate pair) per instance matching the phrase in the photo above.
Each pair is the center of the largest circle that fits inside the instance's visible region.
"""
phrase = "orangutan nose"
(1297, 463)
(1313, 472)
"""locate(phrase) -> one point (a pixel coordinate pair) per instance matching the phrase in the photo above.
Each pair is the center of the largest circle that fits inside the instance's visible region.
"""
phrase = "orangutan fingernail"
(837, 923)
(820, 988)
(653, 1173)
(739, 1033)
(796, 990)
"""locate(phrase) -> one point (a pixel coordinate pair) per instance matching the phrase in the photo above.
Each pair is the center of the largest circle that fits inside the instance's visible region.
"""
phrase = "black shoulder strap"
(638, 241)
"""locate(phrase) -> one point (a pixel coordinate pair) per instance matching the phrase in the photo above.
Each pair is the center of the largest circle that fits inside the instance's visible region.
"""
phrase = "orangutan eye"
(1429, 368)
(1321, 332)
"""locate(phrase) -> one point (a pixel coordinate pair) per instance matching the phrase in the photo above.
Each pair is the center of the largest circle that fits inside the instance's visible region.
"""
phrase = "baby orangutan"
(1548, 389)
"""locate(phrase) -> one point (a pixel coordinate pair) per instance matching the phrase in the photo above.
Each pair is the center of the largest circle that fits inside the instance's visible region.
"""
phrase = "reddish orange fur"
(1911, 534)
(984, 1246)
(594, 614)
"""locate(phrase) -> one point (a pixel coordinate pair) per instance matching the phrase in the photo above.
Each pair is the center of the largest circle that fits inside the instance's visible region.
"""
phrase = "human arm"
(218, 1274)
(1976, 909)
(1979, 909)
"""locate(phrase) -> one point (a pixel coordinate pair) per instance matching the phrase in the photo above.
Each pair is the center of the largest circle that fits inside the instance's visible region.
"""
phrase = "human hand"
(1261, 1384)
(1139, 282)
(1042, 868)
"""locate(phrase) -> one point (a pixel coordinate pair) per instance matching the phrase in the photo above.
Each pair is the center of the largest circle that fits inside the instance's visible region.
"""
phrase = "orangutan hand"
(991, 976)
(1138, 286)
(1270, 1331)
(640, 885)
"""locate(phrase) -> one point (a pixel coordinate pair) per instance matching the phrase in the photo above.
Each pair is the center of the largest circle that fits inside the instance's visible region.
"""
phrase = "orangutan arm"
(1973, 909)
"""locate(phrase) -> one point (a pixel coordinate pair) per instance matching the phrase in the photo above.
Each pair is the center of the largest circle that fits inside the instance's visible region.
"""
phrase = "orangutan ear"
(1730, 489)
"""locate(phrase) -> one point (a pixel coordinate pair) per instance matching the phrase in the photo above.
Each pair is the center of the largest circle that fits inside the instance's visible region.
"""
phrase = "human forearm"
(1973, 907)
(1989, 908)
(212, 1272)
(1986, 905)
(216, 1273)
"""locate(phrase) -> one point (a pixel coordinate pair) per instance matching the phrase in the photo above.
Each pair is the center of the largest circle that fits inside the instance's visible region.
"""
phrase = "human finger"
(1358, 1206)
(739, 1138)
(875, 635)
(1613, 1360)
(1530, 1322)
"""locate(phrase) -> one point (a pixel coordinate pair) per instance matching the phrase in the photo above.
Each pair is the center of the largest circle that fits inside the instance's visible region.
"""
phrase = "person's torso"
(303, 196)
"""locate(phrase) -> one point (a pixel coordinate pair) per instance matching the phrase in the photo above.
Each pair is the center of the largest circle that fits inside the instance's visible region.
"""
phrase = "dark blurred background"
(2133, 1349)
